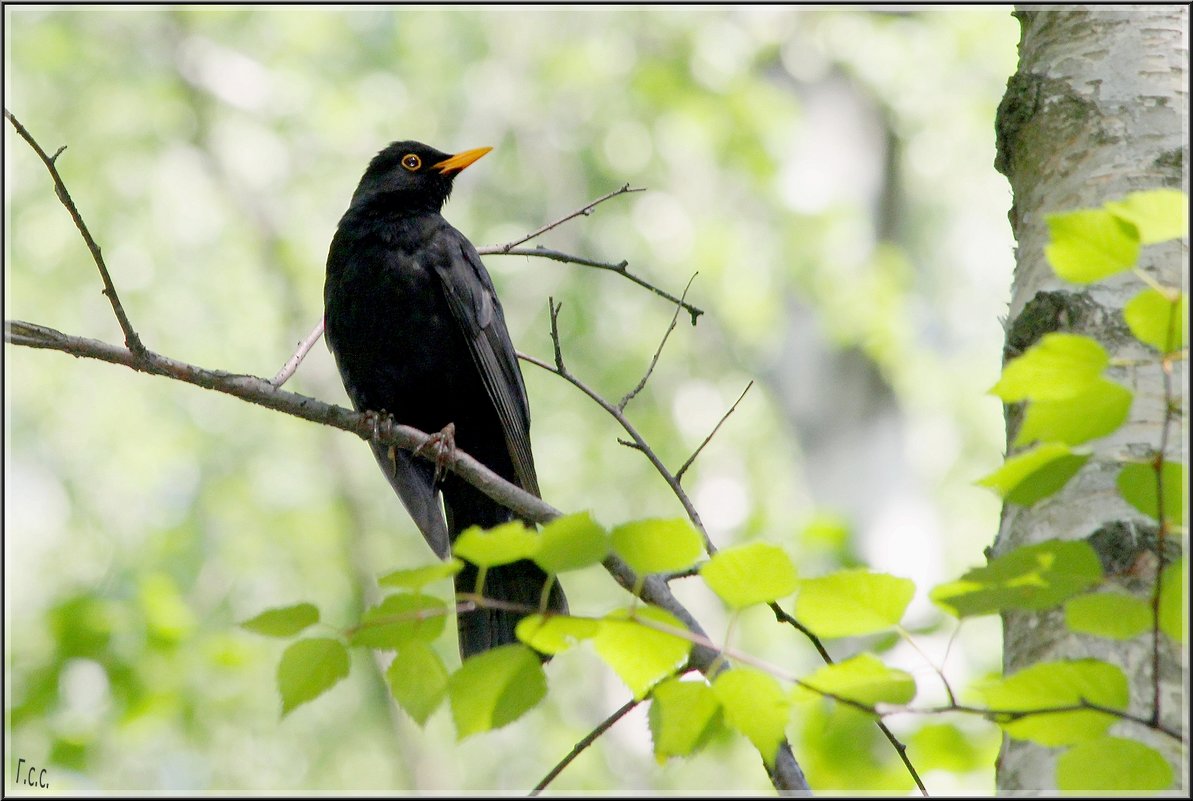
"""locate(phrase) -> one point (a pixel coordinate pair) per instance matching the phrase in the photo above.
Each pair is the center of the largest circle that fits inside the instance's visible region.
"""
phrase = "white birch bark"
(1097, 109)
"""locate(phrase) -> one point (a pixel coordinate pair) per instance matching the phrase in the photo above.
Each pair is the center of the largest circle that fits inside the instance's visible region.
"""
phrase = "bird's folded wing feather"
(473, 302)
(414, 481)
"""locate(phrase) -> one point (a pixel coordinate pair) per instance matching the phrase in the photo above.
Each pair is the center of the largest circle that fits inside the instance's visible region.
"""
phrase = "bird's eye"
(411, 162)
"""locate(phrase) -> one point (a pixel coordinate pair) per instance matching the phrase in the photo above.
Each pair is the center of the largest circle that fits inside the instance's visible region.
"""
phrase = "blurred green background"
(825, 171)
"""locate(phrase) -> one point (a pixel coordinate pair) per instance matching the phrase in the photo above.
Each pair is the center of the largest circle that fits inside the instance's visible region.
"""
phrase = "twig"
(783, 617)
(617, 267)
(130, 335)
(629, 396)
(684, 468)
(304, 347)
(586, 741)
(581, 212)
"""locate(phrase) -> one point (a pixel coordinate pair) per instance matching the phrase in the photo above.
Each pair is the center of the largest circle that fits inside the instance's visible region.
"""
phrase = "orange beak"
(451, 166)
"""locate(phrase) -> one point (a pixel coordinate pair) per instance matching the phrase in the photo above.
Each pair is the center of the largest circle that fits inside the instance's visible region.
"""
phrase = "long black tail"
(518, 583)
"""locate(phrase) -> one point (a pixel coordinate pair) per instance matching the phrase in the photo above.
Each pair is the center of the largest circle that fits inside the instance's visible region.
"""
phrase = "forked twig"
(621, 267)
(560, 369)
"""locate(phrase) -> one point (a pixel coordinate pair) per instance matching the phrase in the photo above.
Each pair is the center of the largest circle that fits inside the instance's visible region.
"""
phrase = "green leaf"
(1112, 764)
(550, 634)
(863, 679)
(1047, 685)
(416, 578)
(1137, 485)
(641, 656)
(1090, 245)
(285, 621)
(1172, 607)
(754, 705)
(1095, 412)
(400, 619)
(852, 602)
(1157, 320)
(308, 669)
(683, 715)
(1158, 214)
(657, 546)
(1108, 614)
(499, 545)
(755, 573)
(417, 679)
(572, 542)
(495, 688)
(1059, 366)
(1033, 475)
(1033, 577)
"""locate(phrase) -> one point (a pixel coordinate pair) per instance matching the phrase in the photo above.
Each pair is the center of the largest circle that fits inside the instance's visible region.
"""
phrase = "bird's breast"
(397, 344)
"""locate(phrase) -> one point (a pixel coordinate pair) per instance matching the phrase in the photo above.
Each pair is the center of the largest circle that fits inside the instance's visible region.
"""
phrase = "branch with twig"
(637, 442)
(130, 335)
(583, 211)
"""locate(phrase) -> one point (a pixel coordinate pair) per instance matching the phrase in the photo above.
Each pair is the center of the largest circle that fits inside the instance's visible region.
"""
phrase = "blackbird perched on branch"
(417, 331)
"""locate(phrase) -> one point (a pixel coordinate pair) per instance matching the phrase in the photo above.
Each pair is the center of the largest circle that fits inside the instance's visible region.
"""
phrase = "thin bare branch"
(684, 467)
(130, 335)
(629, 396)
(584, 743)
(617, 267)
(580, 212)
(304, 347)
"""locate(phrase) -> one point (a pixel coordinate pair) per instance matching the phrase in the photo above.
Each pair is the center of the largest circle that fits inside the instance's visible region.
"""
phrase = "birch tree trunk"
(1097, 109)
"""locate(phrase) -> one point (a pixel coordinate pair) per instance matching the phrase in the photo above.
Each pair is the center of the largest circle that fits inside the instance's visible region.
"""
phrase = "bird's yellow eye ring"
(411, 162)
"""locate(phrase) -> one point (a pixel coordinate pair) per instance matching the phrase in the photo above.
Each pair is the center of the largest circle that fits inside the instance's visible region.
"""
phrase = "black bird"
(417, 331)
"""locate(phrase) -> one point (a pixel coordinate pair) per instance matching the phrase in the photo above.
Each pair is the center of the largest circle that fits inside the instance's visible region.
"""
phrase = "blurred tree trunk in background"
(1097, 109)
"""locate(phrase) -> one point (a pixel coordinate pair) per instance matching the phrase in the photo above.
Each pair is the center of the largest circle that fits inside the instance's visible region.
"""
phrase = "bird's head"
(412, 176)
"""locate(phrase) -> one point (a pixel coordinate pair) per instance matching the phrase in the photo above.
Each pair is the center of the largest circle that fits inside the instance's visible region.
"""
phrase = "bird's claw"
(444, 443)
(380, 424)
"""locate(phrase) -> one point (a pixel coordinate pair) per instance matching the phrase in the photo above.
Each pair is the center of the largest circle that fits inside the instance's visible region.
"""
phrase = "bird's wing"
(474, 304)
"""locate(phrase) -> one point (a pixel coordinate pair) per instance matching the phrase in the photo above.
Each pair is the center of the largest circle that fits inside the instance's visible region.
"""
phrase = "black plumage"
(417, 331)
